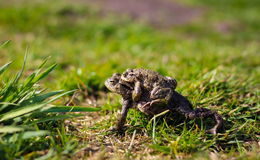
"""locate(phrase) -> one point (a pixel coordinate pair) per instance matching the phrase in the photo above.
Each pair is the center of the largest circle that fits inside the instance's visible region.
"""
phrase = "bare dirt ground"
(159, 13)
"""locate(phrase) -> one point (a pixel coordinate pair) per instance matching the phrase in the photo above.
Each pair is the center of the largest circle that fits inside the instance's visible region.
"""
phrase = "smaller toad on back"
(160, 87)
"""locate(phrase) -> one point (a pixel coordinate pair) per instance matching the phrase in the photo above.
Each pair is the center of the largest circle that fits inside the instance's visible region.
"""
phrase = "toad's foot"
(219, 124)
(115, 129)
(212, 131)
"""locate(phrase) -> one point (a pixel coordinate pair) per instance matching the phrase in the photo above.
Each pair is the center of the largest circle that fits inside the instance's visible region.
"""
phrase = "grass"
(25, 111)
(215, 68)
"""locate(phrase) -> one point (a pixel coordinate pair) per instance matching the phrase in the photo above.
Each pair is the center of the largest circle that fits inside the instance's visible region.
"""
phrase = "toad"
(152, 94)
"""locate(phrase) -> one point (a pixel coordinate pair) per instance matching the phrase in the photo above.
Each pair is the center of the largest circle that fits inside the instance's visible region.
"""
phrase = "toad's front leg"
(121, 121)
(137, 92)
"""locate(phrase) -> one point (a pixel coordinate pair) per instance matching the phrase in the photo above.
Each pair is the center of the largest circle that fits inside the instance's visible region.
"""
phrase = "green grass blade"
(4, 67)
(57, 97)
(29, 79)
(39, 69)
(4, 43)
(20, 111)
(10, 129)
(163, 149)
(8, 103)
(44, 62)
(40, 98)
(32, 134)
(72, 109)
(55, 118)
(44, 73)
(6, 92)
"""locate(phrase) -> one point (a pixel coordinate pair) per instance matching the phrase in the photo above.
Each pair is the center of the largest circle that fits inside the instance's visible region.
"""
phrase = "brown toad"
(152, 106)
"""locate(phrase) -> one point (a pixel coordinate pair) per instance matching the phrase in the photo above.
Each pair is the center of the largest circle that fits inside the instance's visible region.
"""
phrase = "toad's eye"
(131, 74)
(111, 81)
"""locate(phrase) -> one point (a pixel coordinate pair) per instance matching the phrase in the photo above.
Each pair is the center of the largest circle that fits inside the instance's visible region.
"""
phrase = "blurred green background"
(85, 42)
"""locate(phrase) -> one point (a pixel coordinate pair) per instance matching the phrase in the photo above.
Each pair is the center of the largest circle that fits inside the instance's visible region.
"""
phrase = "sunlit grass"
(25, 110)
(214, 59)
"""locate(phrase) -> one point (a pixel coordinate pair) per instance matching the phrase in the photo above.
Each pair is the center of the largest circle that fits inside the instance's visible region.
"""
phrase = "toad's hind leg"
(184, 107)
(162, 94)
(205, 113)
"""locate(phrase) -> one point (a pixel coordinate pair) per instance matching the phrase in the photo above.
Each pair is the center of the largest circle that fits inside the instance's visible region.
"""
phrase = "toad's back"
(151, 78)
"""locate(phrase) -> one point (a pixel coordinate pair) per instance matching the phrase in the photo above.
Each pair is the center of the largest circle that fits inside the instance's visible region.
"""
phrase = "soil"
(160, 13)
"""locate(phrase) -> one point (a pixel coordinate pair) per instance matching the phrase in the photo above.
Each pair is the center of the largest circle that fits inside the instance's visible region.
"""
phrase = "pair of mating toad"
(152, 94)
